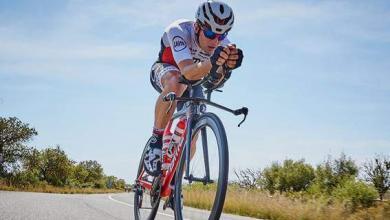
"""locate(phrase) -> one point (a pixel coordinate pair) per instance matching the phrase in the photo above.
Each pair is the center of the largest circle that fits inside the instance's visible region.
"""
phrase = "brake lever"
(244, 111)
(171, 97)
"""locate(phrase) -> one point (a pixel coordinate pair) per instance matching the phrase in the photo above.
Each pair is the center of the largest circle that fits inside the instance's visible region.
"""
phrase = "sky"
(315, 77)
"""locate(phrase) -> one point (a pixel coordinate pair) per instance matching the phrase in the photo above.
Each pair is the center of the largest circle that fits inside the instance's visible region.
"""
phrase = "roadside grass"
(258, 204)
(52, 189)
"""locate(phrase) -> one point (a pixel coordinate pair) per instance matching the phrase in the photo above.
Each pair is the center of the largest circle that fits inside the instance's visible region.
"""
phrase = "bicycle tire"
(140, 190)
(211, 121)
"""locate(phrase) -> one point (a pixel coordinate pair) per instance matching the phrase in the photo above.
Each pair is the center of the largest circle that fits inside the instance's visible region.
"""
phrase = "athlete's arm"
(196, 71)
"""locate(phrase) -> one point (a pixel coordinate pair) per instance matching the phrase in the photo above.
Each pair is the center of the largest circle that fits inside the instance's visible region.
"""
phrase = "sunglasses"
(211, 35)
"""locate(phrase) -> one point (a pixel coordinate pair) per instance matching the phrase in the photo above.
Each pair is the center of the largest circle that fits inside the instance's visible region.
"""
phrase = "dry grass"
(380, 211)
(260, 205)
(62, 190)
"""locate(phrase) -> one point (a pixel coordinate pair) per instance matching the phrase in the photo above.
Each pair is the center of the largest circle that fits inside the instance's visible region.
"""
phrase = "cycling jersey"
(179, 43)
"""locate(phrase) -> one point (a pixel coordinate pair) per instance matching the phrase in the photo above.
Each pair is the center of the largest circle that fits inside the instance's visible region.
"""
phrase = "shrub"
(292, 176)
(332, 173)
(24, 178)
(355, 194)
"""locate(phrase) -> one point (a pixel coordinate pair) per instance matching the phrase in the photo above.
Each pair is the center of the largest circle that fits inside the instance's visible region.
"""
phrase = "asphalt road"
(31, 206)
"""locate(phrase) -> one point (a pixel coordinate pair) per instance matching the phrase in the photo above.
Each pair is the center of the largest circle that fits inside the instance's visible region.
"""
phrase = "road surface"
(34, 206)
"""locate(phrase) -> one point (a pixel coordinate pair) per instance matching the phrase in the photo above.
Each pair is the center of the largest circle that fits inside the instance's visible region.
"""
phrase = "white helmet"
(217, 15)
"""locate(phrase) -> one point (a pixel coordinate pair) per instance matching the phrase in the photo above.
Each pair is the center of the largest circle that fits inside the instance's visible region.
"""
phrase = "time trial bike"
(208, 166)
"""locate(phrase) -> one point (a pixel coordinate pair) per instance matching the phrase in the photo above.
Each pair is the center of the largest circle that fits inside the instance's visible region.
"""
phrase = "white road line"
(127, 204)
(123, 203)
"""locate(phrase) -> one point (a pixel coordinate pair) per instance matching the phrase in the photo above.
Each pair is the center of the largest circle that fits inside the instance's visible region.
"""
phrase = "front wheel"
(209, 170)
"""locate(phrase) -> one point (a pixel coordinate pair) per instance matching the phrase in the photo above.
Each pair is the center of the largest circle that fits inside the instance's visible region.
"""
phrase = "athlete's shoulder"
(180, 24)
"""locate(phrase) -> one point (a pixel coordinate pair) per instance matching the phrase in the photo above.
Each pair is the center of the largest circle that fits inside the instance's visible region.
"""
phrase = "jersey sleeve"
(177, 38)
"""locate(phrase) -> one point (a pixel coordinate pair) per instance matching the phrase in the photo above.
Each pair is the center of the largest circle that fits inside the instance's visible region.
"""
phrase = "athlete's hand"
(220, 56)
(235, 57)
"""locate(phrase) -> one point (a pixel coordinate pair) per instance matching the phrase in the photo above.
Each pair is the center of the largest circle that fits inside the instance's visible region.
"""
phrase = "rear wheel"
(146, 202)
(209, 165)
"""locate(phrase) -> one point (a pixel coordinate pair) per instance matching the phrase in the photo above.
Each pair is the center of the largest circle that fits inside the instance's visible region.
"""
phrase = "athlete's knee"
(171, 83)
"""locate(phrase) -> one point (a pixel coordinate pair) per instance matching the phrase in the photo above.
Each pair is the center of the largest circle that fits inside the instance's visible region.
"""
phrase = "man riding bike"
(189, 50)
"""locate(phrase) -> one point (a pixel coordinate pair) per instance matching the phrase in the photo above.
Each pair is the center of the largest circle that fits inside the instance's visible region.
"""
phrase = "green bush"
(24, 178)
(355, 194)
(101, 184)
(291, 176)
(332, 173)
(2, 181)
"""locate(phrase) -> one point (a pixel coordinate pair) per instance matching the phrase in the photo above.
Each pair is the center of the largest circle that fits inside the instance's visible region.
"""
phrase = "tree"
(89, 173)
(13, 133)
(120, 184)
(378, 173)
(79, 176)
(297, 175)
(31, 167)
(32, 160)
(332, 173)
(269, 177)
(111, 182)
(55, 166)
(248, 178)
(95, 170)
(345, 167)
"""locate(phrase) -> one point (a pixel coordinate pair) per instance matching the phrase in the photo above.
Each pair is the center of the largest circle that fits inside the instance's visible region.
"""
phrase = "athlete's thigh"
(160, 73)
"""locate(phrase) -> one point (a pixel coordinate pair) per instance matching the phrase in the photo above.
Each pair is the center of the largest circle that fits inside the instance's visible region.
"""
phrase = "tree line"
(23, 166)
(335, 179)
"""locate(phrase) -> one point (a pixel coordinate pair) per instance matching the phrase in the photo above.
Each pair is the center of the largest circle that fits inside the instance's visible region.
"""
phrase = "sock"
(158, 132)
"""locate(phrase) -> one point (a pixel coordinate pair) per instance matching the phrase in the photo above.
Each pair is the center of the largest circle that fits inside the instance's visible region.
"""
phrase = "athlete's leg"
(165, 79)
(170, 83)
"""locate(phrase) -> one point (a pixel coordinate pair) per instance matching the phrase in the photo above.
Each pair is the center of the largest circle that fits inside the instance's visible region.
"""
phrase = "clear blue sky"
(316, 77)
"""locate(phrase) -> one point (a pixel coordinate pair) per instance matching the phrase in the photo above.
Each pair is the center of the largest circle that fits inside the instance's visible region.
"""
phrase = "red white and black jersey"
(179, 43)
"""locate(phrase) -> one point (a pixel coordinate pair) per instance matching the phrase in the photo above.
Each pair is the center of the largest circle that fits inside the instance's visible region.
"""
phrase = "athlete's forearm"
(194, 71)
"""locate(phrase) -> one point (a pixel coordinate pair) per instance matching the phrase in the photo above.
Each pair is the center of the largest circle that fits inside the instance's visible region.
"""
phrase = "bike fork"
(205, 154)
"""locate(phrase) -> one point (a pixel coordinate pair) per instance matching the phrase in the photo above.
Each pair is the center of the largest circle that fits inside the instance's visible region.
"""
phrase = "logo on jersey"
(178, 43)
(196, 60)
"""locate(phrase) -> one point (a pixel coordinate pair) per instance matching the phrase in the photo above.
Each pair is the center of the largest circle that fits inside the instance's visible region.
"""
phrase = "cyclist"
(189, 49)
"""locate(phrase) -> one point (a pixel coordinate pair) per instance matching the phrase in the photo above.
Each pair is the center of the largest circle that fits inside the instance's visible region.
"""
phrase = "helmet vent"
(221, 9)
(204, 12)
